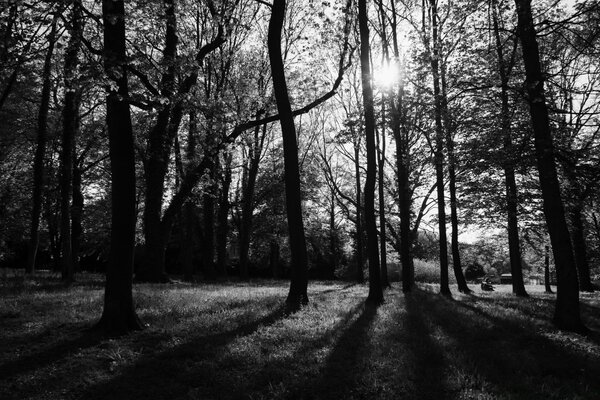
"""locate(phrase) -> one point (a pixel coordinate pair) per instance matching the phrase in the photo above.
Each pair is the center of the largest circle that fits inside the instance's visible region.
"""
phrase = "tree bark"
(40, 151)
(547, 269)
(375, 290)
(580, 248)
(567, 313)
(512, 199)
(119, 314)
(299, 273)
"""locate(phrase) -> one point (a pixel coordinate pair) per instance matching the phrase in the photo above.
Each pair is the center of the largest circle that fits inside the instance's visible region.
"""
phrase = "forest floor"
(233, 341)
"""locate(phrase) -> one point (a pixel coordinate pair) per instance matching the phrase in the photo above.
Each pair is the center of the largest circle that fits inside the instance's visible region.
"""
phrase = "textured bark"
(375, 290)
(119, 314)
(333, 253)
(567, 313)
(547, 269)
(40, 151)
(580, 248)
(514, 247)
(299, 268)
(76, 215)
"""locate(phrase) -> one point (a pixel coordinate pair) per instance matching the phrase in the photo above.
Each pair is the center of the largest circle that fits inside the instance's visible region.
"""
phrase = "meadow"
(233, 340)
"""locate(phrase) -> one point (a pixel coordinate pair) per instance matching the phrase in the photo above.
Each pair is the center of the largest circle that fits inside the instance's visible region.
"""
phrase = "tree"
(299, 275)
(119, 315)
(375, 290)
(40, 152)
(567, 314)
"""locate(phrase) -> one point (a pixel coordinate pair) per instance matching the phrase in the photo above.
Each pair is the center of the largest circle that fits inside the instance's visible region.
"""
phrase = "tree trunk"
(380, 163)
(375, 290)
(333, 254)
(360, 276)
(439, 153)
(547, 269)
(512, 200)
(40, 151)
(119, 314)
(567, 314)
(299, 279)
(580, 248)
(222, 219)
(70, 128)
(76, 215)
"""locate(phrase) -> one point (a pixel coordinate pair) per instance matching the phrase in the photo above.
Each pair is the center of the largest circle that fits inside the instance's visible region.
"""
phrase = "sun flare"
(387, 75)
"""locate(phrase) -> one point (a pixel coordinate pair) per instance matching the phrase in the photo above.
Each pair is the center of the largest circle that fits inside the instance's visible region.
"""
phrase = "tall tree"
(375, 290)
(119, 315)
(567, 314)
(299, 279)
(70, 127)
(504, 68)
(40, 151)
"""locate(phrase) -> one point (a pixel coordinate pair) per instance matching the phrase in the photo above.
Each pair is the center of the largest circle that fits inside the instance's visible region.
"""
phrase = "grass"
(233, 341)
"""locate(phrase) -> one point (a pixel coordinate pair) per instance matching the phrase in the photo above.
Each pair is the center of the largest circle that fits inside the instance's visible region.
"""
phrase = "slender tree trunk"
(40, 151)
(380, 163)
(119, 314)
(332, 238)
(580, 248)
(208, 246)
(512, 200)
(299, 280)
(375, 290)
(547, 269)
(76, 215)
(222, 220)
(70, 128)
(567, 313)
(439, 152)
(360, 276)
(159, 148)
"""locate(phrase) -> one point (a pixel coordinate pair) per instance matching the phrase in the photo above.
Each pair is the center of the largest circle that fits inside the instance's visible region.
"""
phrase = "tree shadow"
(512, 357)
(78, 340)
(344, 366)
(426, 355)
(166, 374)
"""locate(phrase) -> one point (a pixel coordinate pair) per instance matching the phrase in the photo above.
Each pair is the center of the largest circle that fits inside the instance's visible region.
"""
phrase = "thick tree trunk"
(208, 245)
(333, 254)
(119, 314)
(299, 279)
(439, 153)
(222, 218)
(40, 151)
(375, 290)
(509, 169)
(70, 128)
(360, 276)
(380, 164)
(567, 313)
(76, 216)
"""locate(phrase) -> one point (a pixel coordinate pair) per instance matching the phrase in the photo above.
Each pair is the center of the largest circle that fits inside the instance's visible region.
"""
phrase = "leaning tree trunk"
(375, 290)
(580, 248)
(299, 274)
(509, 169)
(119, 314)
(40, 151)
(70, 128)
(439, 154)
(567, 314)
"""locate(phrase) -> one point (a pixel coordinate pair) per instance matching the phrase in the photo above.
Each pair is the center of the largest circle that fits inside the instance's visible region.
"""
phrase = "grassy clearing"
(232, 341)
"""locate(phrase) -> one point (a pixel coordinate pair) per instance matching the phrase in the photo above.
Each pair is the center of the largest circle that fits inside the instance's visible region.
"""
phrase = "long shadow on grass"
(53, 353)
(515, 360)
(344, 365)
(166, 374)
(427, 355)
